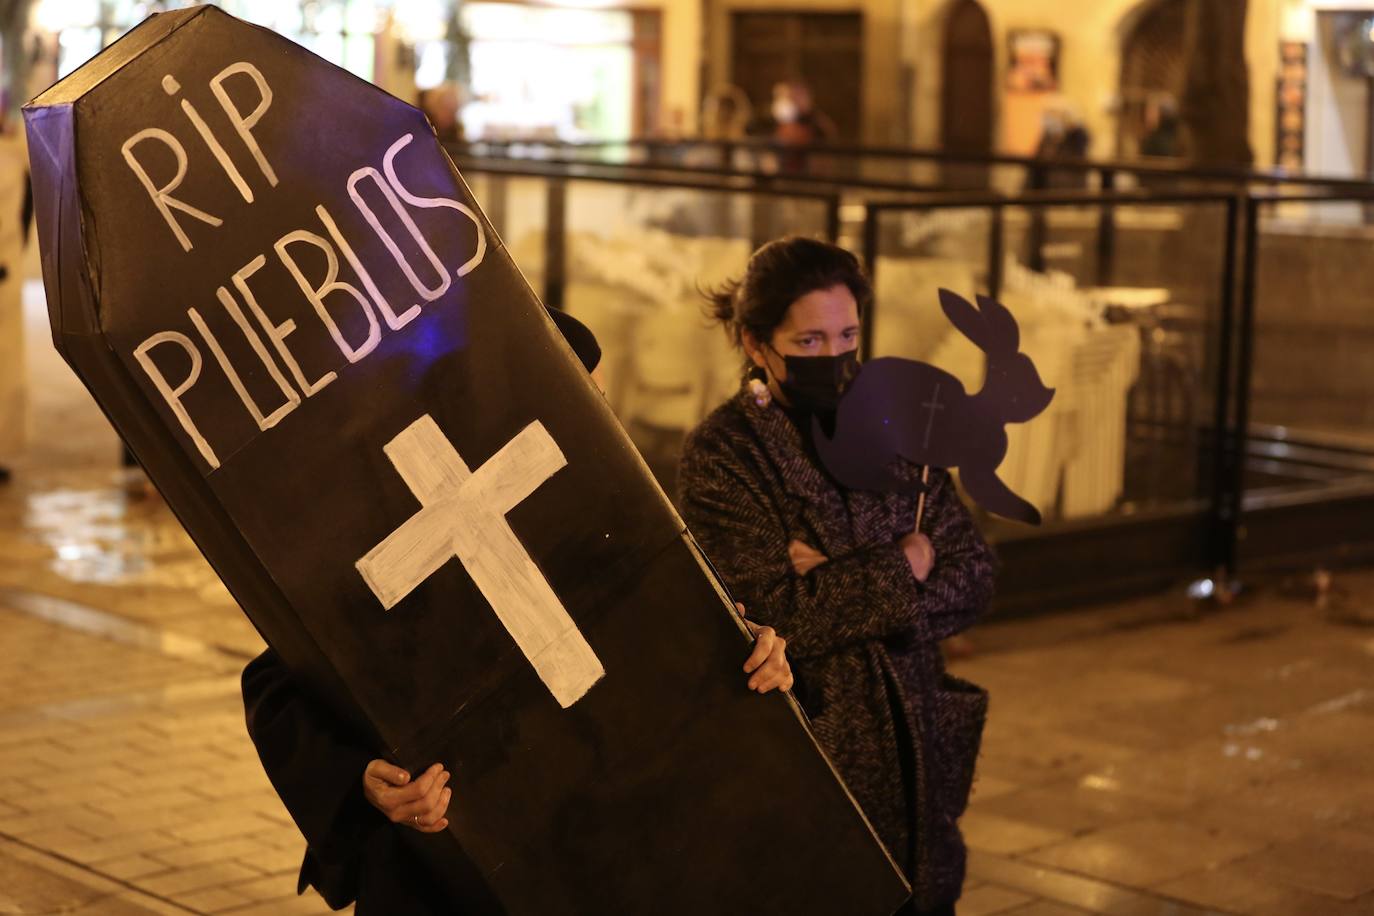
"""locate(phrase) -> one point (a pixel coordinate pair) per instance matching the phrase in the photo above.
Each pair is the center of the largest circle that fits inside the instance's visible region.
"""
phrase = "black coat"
(863, 634)
(316, 763)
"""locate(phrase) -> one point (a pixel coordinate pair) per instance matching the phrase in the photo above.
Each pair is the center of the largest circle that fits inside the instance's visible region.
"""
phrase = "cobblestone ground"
(1138, 759)
(123, 758)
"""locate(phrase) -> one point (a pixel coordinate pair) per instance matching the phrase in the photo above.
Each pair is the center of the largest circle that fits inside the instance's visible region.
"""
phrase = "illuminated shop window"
(534, 71)
(541, 71)
(341, 31)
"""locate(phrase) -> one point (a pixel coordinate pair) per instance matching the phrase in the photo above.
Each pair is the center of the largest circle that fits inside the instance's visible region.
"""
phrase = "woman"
(862, 597)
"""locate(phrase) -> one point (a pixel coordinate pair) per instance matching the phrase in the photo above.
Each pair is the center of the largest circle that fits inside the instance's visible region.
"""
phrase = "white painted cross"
(463, 514)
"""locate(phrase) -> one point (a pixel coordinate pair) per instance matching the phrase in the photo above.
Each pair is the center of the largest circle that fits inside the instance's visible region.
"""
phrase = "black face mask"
(815, 383)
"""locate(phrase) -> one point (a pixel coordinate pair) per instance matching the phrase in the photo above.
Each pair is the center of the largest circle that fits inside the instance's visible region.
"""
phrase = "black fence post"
(1106, 231)
(1245, 348)
(761, 211)
(495, 201)
(1038, 229)
(1220, 535)
(555, 241)
(997, 248)
(870, 260)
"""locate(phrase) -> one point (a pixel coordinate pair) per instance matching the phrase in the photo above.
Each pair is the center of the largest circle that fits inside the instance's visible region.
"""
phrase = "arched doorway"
(966, 90)
(1152, 68)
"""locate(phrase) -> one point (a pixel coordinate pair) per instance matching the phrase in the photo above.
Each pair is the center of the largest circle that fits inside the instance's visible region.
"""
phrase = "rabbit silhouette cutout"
(909, 410)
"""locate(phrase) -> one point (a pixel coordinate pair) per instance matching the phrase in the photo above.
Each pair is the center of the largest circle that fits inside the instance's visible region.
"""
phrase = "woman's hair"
(780, 273)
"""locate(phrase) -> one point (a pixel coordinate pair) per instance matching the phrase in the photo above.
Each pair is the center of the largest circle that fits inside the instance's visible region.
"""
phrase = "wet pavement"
(1140, 758)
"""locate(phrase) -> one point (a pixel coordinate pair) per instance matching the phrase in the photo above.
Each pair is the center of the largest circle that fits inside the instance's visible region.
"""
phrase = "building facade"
(968, 75)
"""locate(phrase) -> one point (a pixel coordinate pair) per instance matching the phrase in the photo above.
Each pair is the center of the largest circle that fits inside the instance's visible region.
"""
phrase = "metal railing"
(1203, 541)
(1229, 398)
(1037, 172)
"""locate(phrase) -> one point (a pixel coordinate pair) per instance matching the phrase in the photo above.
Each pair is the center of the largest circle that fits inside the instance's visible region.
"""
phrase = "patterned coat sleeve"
(869, 594)
(316, 766)
(960, 584)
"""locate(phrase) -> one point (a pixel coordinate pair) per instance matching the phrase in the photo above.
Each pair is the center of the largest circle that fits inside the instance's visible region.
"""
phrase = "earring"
(758, 387)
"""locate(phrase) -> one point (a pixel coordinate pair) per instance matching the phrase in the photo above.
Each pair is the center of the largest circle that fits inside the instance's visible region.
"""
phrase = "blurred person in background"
(1163, 130)
(1063, 138)
(726, 114)
(794, 122)
(440, 104)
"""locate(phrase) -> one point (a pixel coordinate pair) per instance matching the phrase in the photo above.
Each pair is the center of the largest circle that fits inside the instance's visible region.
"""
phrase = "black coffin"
(283, 296)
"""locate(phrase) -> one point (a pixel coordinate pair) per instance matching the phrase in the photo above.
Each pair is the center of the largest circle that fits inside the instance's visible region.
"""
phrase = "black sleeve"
(316, 765)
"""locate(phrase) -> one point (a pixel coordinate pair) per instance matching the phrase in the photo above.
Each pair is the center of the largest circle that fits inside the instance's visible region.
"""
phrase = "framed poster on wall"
(1032, 81)
(1034, 61)
(1291, 120)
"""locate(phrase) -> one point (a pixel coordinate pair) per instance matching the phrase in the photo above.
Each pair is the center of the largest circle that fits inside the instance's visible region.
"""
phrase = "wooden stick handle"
(921, 503)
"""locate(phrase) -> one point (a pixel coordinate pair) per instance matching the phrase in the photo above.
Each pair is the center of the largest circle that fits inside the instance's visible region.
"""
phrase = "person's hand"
(420, 803)
(920, 555)
(767, 664)
(804, 557)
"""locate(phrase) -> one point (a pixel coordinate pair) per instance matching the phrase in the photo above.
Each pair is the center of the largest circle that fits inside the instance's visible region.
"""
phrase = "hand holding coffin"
(767, 665)
(419, 803)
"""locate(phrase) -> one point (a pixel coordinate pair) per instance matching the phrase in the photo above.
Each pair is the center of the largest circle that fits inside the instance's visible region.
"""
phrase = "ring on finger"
(416, 819)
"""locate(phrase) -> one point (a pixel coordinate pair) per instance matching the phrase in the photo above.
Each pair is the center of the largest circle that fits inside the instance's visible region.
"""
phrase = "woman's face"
(824, 322)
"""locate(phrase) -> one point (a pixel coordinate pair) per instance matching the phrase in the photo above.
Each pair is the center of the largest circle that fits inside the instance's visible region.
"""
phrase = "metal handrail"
(1243, 208)
(760, 175)
(1153, 167)
(668, 174)
(658, 176)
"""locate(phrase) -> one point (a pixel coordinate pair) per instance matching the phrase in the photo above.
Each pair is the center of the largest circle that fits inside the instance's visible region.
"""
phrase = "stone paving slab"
(1239, 779)
(1244, 887)
(1147, 852)
(156, 788)
(31, 882)
(1052, 888)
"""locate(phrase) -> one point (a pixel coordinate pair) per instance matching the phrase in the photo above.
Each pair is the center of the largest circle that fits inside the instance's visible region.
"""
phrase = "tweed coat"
(862, 633)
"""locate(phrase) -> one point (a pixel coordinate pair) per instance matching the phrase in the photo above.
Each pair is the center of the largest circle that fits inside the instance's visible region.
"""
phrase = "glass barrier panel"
(518, 208)
(1131, 361)
(1312, 393)
(637, 258)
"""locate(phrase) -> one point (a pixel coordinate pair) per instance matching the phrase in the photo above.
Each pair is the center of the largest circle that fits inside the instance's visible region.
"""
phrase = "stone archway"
(1215, 105)
(1153, 65)
(1193, 50)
